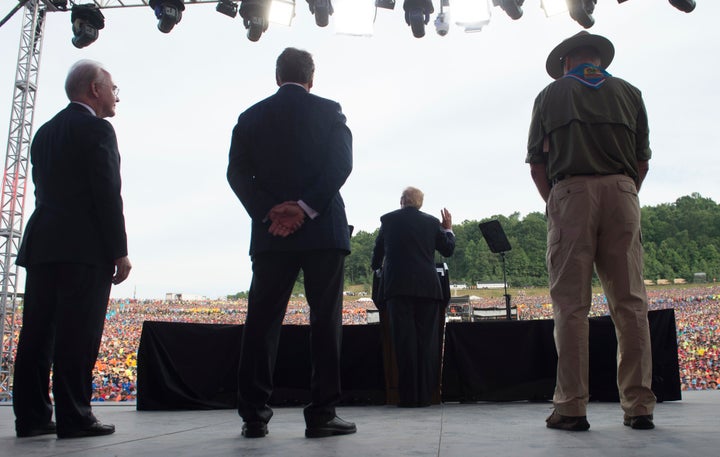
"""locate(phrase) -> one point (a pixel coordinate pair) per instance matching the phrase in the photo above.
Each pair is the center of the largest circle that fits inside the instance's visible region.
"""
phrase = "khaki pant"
(595, 221)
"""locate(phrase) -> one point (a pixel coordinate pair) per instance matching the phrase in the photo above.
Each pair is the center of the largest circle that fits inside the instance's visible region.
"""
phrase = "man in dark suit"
(405, 249)
(290, 155)
(74, 248)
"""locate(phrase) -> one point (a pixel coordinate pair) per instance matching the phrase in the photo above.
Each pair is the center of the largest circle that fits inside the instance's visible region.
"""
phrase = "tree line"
(680, 239)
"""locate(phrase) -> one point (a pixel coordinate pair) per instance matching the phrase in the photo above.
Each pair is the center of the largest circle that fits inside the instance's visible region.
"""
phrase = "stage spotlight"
(513, 8)
(683, 5)
(322, 9)
(472, 15)
(255, 17)
(553, 7)
(417, 14)
(227, 7)
(442, 23)
(282, 12)
(354, 17)
(386, 4)
(168, 13)
(581, 11)
(86, 21)
(60, 4)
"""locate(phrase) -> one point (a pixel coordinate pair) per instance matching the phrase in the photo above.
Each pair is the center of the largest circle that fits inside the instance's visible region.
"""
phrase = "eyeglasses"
(115, 89)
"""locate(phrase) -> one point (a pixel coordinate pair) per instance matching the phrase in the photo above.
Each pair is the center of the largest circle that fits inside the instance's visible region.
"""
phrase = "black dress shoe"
(254, 429)
(94, 429)
(334, 426)
(47, 429)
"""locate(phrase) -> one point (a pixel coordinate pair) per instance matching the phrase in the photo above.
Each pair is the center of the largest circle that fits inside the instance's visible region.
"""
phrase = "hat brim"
(554, 63)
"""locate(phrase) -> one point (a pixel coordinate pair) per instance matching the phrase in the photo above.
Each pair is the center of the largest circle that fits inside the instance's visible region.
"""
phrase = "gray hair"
(412, 197)
(81, 75)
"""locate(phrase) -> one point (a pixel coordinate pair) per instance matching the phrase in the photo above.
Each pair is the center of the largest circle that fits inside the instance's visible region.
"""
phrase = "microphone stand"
(506, 295)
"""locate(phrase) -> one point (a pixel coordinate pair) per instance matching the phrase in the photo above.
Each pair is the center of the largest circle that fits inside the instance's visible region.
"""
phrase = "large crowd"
(114, 378)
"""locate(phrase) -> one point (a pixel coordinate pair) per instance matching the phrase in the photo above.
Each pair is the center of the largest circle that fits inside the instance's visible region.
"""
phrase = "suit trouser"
(63, 319)
(595, 220)
(274, 274)
(415, 333)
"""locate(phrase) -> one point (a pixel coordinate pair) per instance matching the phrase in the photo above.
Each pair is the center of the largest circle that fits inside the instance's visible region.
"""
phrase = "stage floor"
(687, 427)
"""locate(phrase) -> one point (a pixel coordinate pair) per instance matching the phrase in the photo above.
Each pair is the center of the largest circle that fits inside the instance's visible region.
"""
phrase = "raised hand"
(446, 219)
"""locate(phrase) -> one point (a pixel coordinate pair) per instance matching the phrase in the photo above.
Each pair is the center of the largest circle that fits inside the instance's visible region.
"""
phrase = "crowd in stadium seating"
(696, 312)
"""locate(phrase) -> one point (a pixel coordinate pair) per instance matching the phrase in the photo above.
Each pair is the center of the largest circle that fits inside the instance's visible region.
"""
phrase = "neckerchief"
(588, 74)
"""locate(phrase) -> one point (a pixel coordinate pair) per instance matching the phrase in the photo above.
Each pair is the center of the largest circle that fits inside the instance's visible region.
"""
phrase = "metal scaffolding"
(12, 201)
(14, 183)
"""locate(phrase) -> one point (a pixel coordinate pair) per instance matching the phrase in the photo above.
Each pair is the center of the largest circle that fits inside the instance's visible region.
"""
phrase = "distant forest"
(680, 239)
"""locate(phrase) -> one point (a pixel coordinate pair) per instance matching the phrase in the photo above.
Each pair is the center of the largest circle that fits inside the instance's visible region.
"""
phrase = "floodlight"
(86, 21)
(417, 14)
(255, 17)
(60, 4)
(227, 7)
(683, 5)
(322, 9)
(553, 7)
(442, 23)
(513, 8)
(354, 17)
(168, 13)
(472, 15)
(282, 12)
(581, 11)
(387, 4)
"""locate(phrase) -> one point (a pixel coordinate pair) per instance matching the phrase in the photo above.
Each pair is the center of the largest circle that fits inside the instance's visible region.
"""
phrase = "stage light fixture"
(227, 7)
(86, 21)
(513, 8)
(282, 12)
(354, 17)
(683, 5)
(442, 23)
(255, 17)
(553, 7)
(322, 10)
(417, 15)
(472, 15)
(168, 13)
(60, 4)
(581, 11)
(386, 4)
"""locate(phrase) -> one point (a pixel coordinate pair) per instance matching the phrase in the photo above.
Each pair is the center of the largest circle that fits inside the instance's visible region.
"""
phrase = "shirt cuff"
(312, 214)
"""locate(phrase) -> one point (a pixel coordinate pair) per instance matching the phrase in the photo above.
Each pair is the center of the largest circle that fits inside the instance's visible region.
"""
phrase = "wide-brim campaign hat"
(554, 63)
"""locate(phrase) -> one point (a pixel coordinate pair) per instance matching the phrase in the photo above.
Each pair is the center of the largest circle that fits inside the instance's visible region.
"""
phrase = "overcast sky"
(446, 114)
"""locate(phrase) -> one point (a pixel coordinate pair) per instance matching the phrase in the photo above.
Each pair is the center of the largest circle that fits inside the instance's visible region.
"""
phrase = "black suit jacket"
(293, 146)
(405, 248)
(78, 216)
